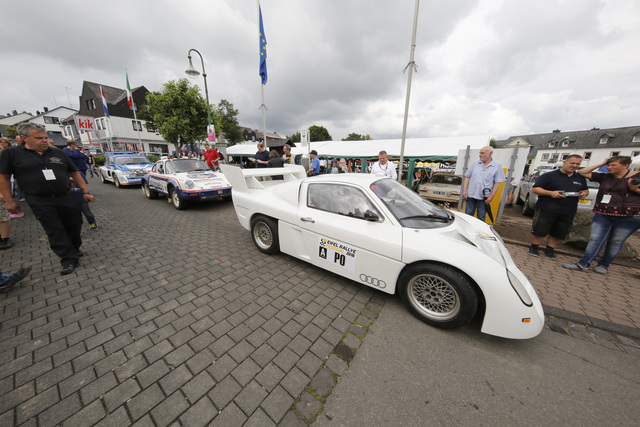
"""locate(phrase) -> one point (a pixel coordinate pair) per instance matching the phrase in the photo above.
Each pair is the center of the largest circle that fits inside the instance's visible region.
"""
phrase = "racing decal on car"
(337, 253)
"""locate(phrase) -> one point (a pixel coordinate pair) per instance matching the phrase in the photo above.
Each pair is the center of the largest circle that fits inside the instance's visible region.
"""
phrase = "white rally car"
(183, 181)
(445, 265)
(124, 168)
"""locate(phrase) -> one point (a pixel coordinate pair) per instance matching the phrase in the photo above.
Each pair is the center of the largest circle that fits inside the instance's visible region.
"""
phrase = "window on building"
(545, 157)
(564, 156)
(103, 125)
(587, 155)
(565, 143)
(51, 120)
(636, 138)
(98, 125)
(150, 127)
(604, 139)
(635, 153)
(552, 144)
(614, 153)
(136, 125)
(553, 158)
(64, 131)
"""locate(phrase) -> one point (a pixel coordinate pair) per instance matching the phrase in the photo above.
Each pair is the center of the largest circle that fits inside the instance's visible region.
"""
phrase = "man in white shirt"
(383, 167)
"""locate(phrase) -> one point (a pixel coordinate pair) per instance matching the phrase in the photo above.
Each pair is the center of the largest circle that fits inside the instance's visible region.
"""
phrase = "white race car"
(445, 265)
(183, 181)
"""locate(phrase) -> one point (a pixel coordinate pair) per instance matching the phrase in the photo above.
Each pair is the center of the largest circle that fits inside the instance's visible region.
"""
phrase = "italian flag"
(129, 98)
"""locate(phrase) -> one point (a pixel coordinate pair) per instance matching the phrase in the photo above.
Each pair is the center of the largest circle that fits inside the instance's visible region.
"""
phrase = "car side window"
(339, 199)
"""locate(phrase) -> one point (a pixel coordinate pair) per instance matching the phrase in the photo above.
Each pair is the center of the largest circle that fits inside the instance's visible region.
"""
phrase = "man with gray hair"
(481, 183)
(43, 174)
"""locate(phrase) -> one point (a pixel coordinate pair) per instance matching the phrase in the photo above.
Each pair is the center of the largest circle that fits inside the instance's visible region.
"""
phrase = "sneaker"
(17, 215)
(550, 254)
(575, 267)
(68, 268)
(533, 251)
(15, 278)
(601, 269)
(93, 226)
(5, 243)
(508, 205)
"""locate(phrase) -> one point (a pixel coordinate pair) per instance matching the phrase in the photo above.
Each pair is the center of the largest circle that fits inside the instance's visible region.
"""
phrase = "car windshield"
(139, 160)
(410, 209)
(186, 165)
(447, 179)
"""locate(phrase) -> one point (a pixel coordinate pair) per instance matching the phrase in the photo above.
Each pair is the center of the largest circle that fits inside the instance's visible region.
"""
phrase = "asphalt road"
(409, 374)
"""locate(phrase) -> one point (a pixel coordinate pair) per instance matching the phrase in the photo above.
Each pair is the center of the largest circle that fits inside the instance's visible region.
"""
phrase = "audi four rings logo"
(373, 281)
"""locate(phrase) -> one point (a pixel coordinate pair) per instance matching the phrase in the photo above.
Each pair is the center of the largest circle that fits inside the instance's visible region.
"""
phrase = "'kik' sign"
(85, 123)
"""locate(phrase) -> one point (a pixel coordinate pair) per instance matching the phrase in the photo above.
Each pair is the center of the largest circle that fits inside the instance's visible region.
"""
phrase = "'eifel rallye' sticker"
(337, 253)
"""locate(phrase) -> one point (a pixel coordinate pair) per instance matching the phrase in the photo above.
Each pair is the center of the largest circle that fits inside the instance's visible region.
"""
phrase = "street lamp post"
(193, 73)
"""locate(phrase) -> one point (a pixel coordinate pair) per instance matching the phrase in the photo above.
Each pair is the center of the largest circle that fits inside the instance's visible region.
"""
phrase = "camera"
(570, 194)
(635, 180)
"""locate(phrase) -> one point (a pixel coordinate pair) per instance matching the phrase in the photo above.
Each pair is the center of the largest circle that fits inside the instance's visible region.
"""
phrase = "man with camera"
(558, 193)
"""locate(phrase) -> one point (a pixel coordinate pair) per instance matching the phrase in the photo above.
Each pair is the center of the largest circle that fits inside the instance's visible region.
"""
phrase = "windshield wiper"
(427, 217)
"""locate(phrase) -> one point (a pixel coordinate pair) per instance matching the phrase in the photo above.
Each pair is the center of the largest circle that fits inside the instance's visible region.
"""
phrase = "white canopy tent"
(426, 149)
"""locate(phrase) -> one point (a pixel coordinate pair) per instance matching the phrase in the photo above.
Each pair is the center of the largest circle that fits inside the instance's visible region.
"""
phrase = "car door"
(156, 181)
(336, 236)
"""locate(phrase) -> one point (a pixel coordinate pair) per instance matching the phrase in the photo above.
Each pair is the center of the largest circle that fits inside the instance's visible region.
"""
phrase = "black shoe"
(550, 254)
(68, 268)
(80, 253)
(533, 251)
(5, 243)
(508, 205)
(15, 278)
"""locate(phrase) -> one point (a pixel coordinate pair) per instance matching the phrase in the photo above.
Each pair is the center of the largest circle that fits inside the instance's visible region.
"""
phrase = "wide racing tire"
(438, 295)
(264, 231)
(176, 201)
(147, 191)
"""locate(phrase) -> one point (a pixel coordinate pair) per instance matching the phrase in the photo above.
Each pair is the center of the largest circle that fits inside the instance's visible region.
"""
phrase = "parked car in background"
(442, 187)
(184, 181)
(124, 168)
(446, 266)
(528, 198)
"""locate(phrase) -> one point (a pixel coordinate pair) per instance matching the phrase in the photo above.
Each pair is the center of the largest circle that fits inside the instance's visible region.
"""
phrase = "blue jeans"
(609, 230)
(473, 204)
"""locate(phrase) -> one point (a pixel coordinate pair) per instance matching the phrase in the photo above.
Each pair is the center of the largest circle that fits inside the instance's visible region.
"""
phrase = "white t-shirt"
(388, 169)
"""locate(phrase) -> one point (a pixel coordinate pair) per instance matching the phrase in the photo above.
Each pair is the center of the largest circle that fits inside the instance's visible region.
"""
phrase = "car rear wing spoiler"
(245, 179)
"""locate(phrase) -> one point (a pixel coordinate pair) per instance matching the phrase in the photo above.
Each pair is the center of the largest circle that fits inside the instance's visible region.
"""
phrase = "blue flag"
(263, 51)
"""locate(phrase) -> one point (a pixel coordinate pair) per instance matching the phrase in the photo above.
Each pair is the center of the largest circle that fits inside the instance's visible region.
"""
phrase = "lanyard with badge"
(606, 198)
(49, 175)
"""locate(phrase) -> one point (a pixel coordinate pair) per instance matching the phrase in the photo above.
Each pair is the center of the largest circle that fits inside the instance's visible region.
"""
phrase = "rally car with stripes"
(124, 168)
(184, 181)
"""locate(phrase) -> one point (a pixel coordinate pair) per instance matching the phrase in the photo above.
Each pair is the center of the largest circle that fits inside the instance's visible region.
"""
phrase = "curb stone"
(310, 403)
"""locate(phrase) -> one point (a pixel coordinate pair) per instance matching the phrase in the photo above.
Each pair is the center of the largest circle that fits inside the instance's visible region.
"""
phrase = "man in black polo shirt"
(558, 193)
(43, 174)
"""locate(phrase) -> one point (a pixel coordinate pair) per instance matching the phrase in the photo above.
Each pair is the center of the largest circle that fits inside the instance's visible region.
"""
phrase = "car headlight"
(519, 288)
(189, 184)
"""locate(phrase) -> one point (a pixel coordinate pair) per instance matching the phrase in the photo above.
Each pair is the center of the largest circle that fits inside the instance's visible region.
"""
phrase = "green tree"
(493, 143)
(229, 121)
(319, 133)
(295, 137)
(11, 132)
(180, 113)
(357, 137)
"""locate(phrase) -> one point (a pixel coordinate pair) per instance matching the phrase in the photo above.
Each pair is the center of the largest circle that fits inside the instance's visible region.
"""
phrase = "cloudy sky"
(492, 67)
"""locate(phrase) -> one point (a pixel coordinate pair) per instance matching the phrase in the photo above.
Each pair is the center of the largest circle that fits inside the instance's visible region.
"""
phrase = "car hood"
(466, 237)
(134, 167)
(203, 179)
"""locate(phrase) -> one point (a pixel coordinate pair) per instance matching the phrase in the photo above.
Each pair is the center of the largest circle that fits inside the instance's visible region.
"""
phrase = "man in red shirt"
(211, 156)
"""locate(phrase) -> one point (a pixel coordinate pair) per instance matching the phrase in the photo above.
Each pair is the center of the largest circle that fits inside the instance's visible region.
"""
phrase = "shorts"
(512, 189)
(553, 224)
(4, 213)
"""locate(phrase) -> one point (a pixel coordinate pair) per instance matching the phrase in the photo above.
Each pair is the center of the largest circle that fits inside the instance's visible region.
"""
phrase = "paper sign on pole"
(211, 133)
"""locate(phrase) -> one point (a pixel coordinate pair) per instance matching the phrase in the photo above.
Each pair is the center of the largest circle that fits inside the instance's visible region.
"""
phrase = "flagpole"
(411, 65)
(133, 107)
(263, 107)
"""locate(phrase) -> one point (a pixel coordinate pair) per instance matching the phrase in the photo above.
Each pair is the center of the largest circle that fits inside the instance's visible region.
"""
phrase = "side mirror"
(370, 215)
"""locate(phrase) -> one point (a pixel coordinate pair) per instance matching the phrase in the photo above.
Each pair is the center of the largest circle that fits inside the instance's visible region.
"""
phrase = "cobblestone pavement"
(174, 318)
